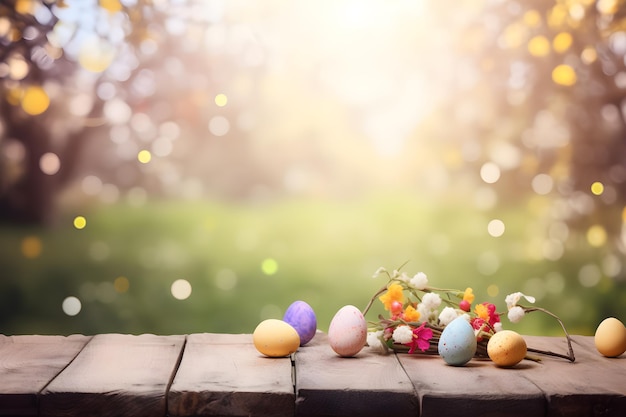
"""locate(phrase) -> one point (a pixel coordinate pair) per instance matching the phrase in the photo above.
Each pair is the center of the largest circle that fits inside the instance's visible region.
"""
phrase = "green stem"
(379, 292)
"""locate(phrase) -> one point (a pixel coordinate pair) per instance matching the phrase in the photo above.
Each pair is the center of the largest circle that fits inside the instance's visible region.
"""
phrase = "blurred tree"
(93, 86)
(548, 78)
(46, 109)
(89, 86)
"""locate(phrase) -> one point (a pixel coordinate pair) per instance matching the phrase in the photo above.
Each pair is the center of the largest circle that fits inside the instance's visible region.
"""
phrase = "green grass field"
(249, 262)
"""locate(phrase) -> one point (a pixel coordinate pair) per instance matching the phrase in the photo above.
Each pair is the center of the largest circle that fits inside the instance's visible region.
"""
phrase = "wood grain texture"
(28, 364)
(593, 385)
(368, 384)
(224, 375)
(115, 375)
(477, 389)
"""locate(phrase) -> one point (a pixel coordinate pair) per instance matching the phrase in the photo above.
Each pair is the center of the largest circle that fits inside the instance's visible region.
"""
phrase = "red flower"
(477, 323)
(421, 338)
(487, 312)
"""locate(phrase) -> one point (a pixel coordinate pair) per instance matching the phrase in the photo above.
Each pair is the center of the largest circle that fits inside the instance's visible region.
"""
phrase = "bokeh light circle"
(219, 125)
(181, 289)
(49, 163)
(496, 228)
(80, 222)
(71, 306)
(269, 266)
(490, 172)
(144, 156)
(35, 100)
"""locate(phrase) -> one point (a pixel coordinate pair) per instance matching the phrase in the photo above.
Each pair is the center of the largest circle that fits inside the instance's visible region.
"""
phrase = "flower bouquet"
(420, 313)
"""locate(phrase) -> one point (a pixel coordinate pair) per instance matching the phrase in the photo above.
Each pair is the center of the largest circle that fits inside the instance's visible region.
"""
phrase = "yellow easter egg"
(506, 348)
(275, 338)
(610, 337)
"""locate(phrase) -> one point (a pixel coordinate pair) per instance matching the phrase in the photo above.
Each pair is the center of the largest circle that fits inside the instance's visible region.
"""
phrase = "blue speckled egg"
(457, 343)
(301, 317)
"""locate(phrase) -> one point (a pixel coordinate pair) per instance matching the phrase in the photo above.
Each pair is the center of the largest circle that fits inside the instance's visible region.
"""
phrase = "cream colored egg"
(275, 338)
(347, 331)
(506, 348)
(610, 337)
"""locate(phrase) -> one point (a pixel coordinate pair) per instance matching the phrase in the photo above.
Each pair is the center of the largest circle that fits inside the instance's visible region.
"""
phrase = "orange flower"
(482, 311)
(468, 295)
(394, 293)
(411, 314)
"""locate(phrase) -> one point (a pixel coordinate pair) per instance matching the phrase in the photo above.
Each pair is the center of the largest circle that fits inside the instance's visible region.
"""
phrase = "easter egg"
(457, 343)
(347, 331)
(301, 317)
(275, 338)
(610, 337)
(506, 348)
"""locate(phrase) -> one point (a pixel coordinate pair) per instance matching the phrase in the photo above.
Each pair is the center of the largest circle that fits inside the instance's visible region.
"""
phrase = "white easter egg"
(457, 343)
(347, 331)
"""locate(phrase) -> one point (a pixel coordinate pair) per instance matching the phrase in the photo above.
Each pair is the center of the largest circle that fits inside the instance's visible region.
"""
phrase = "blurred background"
(195, 166)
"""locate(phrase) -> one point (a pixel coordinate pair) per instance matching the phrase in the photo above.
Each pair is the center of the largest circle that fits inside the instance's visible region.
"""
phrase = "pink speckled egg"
(348, 331)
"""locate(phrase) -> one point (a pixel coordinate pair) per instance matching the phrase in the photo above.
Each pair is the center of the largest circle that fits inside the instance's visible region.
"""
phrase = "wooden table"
(224, 375)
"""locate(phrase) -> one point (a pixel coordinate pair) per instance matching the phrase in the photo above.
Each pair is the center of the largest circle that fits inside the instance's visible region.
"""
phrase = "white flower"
(515, 314)
(374, 342)
(511, 300)
(447, 315)
(466, 317)
(497, 327)
(419, 281)
(431, 301)
(402, 334)
(378, 272)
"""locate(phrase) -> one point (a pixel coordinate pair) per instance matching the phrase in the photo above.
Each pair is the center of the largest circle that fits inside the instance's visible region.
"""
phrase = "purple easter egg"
(301, 317)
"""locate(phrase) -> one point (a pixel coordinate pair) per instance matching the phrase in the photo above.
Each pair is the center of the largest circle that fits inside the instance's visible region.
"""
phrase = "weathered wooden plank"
(115, 375)
(369, 384)
(27, 364)
(477, 389)
(224, 375)
(591, 386)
